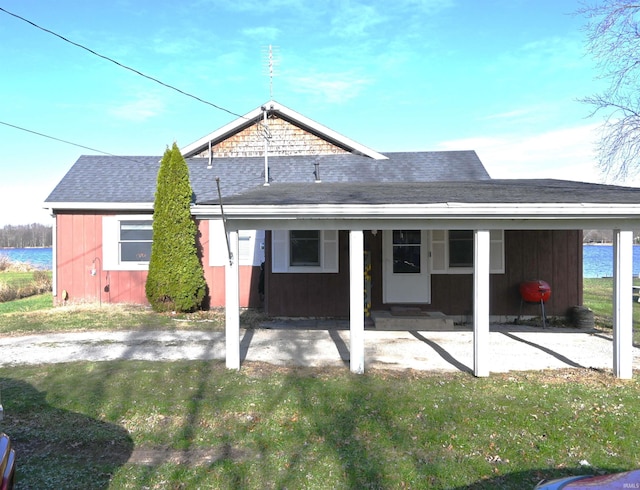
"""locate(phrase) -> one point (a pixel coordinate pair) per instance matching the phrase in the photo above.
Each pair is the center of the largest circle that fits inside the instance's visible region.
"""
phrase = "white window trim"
(442, 246)
(329, 250)
(111, 241)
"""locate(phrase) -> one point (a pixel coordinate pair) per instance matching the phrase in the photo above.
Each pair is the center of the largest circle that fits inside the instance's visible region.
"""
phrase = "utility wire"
(65, 141)
(120, 64)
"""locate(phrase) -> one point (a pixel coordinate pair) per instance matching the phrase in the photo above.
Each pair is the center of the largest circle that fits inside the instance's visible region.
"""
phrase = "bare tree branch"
(613, 39)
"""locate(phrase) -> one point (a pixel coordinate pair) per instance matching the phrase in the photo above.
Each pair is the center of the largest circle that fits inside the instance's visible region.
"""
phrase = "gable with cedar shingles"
(285, 139)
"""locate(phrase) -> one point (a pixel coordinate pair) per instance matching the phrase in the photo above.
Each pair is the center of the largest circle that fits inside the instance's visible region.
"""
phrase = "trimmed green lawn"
(76, 426)
(598, 295)
(142, 425)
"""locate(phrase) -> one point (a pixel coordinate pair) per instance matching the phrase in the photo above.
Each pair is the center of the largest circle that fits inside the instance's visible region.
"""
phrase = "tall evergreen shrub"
(176, 280)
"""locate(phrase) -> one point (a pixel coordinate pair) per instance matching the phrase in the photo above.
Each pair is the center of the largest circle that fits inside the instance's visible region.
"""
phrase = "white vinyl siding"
(281, 253)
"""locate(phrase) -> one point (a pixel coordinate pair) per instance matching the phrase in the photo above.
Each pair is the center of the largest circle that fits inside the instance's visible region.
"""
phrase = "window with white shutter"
(452, 251)
(304, 251)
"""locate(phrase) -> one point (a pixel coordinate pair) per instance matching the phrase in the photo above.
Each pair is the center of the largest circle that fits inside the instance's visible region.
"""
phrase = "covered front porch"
(481, 208)
(483, 353)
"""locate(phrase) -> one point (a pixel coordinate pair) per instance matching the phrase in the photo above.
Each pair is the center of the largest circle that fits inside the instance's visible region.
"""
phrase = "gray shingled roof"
(478, 192)
(108, 179)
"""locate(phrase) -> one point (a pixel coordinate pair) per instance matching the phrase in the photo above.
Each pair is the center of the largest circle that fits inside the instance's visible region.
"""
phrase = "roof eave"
(449, 209)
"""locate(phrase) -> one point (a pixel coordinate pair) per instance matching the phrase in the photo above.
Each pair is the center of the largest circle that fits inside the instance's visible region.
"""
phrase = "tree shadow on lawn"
(57, 448)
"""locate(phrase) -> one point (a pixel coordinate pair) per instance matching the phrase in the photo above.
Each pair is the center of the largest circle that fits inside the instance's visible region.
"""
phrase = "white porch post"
(232, 304)
(356, 301)
(622, 304)
(481, 303)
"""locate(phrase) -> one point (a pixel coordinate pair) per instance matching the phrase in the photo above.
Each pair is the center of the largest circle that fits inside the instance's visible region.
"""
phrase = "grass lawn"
(198, 425)
(598, 296)
(182, 425)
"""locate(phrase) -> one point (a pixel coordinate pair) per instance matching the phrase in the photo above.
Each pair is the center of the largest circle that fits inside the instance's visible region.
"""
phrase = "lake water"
(597, 262)
(37, 257)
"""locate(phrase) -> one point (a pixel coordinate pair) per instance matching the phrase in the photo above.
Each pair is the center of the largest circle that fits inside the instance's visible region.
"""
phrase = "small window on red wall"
(135, 240)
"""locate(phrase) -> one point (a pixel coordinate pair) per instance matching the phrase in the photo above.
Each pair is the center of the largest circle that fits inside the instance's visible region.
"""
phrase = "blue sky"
(501, 77)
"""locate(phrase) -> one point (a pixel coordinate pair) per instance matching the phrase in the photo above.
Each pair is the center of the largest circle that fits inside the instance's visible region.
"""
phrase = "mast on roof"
(271, 62)
(270, 55)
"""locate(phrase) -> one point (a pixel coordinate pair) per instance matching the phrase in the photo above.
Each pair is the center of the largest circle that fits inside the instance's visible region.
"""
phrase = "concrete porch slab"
(410, 321)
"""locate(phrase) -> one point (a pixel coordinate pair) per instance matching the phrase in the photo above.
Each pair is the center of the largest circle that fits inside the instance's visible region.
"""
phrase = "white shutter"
(330, 251)
(110, 242)
(218, 253)
(496, 252)
(279, 250)
(439, 244)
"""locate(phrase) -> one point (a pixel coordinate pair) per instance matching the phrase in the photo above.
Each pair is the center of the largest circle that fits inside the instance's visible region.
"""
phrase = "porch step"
(411, 319)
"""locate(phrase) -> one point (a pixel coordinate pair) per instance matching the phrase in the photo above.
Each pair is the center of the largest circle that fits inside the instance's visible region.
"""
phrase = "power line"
(120, 64)
(65, 141)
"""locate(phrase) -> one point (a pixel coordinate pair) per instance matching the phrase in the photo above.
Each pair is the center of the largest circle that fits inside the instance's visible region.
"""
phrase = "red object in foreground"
(535, 291)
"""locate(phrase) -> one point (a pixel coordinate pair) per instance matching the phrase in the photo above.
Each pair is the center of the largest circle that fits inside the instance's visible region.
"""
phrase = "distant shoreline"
(22, 248)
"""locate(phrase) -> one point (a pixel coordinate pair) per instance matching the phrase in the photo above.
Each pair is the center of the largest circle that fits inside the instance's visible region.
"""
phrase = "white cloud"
(331, 87)
(140, 110)
(254, 6)
(566, 153)
(264, 34)
(355, 20)
(174, 47)
(23, 204)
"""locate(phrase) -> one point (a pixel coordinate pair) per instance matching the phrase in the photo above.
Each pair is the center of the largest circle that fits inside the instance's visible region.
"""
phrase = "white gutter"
(102, 206)
(331, 211)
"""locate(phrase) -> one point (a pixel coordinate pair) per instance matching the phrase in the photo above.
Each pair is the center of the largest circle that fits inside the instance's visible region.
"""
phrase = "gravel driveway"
(512, 348)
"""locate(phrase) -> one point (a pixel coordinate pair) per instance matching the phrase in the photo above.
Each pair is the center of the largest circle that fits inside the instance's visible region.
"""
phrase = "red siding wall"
(79, 250)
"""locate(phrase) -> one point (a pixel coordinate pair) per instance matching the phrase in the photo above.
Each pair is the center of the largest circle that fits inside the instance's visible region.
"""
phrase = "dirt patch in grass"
(191, 457)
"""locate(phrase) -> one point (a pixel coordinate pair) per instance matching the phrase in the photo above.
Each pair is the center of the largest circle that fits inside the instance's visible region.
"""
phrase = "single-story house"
(302, 221)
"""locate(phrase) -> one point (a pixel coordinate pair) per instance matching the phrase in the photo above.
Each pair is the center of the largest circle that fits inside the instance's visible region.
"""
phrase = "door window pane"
(406, 251)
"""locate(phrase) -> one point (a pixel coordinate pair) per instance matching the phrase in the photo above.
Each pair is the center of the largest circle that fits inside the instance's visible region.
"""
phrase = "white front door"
(405, 256)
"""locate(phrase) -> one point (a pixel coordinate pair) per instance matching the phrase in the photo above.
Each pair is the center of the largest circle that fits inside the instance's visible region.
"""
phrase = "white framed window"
(126, 242)
(452, 251)
(304, 251)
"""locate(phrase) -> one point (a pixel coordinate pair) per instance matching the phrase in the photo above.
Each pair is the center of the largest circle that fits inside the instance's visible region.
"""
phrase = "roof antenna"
(270, 55)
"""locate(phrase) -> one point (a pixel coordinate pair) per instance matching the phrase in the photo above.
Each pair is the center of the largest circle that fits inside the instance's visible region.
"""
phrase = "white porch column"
(356, 301)
(622, 304)
(481, 256)
(232, 305)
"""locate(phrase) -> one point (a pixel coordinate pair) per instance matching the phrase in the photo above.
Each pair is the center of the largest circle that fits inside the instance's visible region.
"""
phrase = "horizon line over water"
(597, 259)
